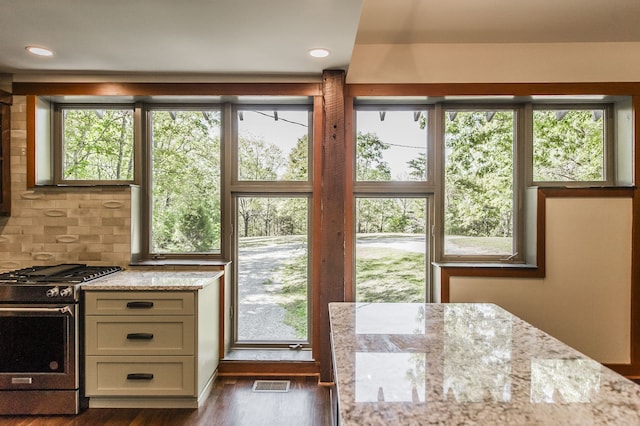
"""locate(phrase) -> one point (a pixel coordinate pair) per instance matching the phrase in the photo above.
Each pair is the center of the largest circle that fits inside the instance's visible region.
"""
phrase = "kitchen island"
(465, 364)
(153, 338)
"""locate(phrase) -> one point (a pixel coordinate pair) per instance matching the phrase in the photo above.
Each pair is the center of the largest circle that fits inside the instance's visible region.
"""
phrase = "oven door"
(38, 347)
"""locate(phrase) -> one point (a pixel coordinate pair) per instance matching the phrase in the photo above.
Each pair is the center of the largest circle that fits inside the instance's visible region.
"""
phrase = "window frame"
(279, 344)
(57, 153)
(426, 189)
(268, 185)
(428, 198)
(518, 239)
(146, 181)
(237, 188)
(425, 108)
(609, 141)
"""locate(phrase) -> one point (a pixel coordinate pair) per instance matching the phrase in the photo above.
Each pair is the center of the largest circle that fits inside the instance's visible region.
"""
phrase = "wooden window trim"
(168, 89)
(324, 289)
(527, 271)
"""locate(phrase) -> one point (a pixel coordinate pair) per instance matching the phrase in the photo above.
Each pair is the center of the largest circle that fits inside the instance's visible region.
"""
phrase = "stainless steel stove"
(40, 338)
(49, 284)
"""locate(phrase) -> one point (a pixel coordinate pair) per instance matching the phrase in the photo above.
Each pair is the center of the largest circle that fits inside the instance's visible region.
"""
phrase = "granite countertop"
(466, 364)
(154, 280)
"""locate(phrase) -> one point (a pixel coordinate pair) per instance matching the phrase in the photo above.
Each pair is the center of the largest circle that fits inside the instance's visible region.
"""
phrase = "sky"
(401, 131)
(398, 129)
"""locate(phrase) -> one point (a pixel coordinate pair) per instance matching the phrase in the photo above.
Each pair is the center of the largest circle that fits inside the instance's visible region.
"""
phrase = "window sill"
(67, 187)
(485, 265)
(268, 355)
(182, 262)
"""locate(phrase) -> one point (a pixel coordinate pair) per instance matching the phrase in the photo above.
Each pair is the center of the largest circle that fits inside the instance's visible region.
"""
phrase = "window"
(271, 197)
(479, 174)
(185, 181)
(571, 144)
(391, 249)
(393, 188)
(96, 144)
(273, 144)
(273, 259)
(391, 144)
(250, 163)
(472, 159)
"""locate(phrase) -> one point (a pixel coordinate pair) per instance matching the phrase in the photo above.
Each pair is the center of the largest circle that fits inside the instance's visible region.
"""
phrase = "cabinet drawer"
(140, 376)
(142, 335)
(139, 303)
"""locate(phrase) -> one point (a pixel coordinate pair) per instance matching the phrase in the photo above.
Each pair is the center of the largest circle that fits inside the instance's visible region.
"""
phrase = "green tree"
(98, 144)
(298, 161)
(568, 145)
(370, 165)
(186, 181)
(418, 167)
(259, 160)
(479, 174)
(372, 214)
(196, 225)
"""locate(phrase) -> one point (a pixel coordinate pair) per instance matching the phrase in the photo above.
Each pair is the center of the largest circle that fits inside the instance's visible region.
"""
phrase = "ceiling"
(498, 21)
(255, 37)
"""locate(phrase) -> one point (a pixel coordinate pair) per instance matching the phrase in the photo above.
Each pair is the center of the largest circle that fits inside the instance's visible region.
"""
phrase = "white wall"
(585, 298)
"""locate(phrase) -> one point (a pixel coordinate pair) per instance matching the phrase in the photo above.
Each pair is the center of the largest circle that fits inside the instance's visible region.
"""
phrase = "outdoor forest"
(392, 233)
(98, 145)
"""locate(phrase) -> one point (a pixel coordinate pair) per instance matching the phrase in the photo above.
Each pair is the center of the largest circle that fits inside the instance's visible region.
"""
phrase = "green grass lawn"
(479, 245)
(390, 275)
(294, 294)
(383, 275)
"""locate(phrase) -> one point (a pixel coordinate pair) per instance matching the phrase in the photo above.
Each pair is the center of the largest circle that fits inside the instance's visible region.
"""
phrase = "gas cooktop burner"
(49, 284)
(64, 273)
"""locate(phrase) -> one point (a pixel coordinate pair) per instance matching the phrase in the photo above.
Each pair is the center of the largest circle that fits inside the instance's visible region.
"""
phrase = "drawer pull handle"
(139, 376)
(140, 336)
(140, 305)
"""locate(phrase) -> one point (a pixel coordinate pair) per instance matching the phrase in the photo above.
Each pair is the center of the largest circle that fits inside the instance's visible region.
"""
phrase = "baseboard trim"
(268, 368)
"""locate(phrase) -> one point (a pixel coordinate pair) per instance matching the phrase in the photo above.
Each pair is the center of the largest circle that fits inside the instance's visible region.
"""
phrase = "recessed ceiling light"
(319, 52)
(40, 51)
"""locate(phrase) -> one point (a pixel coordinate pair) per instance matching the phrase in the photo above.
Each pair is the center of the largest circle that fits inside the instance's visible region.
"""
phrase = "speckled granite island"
(466, 364)
(153, 338)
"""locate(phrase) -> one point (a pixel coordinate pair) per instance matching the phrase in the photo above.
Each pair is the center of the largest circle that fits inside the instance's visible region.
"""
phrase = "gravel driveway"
(260, 317)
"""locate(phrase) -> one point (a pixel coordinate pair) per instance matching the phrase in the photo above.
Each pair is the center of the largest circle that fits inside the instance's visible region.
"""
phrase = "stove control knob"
(53, 292)
(65, 292)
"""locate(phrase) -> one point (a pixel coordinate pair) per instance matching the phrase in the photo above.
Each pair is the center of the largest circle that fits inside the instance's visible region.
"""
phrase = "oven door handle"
(60, 310)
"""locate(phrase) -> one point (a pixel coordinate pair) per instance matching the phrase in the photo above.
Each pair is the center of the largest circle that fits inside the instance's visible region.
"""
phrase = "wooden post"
(330, 247)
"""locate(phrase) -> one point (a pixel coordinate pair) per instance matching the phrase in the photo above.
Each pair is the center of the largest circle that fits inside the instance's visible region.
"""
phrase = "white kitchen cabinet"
(151, 348)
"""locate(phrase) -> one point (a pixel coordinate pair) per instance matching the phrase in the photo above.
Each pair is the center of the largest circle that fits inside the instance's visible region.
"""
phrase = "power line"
(275, 117)
(405, 146)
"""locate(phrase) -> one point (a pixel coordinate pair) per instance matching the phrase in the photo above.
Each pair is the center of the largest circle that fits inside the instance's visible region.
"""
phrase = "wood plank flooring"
(232, 402)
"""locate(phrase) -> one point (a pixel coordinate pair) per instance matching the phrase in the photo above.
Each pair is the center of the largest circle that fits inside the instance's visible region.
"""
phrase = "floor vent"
(271, 386)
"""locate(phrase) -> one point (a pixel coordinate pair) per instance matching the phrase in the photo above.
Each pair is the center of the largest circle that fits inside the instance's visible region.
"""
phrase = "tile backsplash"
(50, 225)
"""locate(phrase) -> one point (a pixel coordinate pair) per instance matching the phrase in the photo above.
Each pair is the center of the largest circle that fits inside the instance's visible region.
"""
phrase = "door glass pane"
(273, 145)
(478, 196)
(185, 181)
(391, 145)
(568, 145)
(391, 250)
(272, 269)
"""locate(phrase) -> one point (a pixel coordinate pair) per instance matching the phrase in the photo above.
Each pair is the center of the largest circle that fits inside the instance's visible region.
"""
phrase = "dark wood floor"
(232, 403)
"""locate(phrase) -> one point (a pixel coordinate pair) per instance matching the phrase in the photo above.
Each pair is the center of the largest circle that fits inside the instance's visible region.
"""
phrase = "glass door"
(272, 270)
